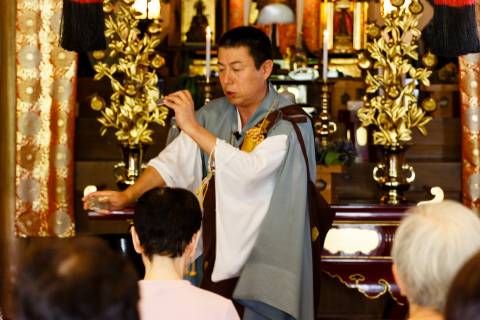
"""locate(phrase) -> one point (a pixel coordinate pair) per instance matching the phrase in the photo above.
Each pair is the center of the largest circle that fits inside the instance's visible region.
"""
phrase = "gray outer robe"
(276, 281)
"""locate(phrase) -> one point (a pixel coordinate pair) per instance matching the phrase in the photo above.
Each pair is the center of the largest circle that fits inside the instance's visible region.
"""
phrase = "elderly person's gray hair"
(430, 246)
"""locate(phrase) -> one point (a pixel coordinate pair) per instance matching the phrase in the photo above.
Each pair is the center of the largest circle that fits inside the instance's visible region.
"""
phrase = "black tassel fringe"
(453, 31)
(83, 27)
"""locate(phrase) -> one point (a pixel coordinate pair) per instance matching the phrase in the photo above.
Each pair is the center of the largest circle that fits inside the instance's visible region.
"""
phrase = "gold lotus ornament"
(134, 103)
(390, 106)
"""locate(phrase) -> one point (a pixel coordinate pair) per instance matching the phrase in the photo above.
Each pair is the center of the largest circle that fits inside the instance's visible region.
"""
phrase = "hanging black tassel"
(453, 30)
(83, 25)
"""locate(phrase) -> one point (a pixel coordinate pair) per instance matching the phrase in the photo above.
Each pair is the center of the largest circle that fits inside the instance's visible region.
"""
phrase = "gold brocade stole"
(253, 137)
(203, 187)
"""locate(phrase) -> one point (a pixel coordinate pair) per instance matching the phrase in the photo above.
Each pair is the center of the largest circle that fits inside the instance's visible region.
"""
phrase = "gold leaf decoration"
(390, 105)
(133, 104)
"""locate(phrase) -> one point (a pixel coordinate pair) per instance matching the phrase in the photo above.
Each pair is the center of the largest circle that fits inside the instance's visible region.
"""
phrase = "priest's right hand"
(104, 202)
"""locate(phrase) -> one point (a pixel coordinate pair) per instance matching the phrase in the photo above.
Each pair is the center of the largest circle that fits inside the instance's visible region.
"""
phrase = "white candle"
(207, 54)
(325, 55)
(299, 22)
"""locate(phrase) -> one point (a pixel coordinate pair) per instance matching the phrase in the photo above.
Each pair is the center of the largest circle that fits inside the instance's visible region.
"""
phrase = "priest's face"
(243, 84)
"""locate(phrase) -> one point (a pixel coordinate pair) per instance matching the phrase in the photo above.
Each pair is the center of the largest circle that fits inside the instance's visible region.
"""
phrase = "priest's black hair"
(257, 42)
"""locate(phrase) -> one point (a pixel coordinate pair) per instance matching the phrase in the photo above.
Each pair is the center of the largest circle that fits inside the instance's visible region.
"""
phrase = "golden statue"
(199, 24)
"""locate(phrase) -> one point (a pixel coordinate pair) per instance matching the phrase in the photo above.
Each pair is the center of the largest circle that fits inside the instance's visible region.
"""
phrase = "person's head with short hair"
(165, 224)
(245, 64)
(463, 299)
(255, 40)
(77, 278)
(430, 245)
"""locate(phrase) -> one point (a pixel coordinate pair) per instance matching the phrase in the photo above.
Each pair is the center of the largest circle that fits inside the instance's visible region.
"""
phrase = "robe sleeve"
(244, 183)
(180, 163)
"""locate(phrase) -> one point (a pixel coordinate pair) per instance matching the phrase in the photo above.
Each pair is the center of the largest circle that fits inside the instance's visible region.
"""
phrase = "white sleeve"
(244, 183)
(249, 167)
(180, 163)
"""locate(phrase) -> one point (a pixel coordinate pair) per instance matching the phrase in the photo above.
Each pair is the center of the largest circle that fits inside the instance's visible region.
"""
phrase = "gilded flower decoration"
(134, 104)
(390, 105)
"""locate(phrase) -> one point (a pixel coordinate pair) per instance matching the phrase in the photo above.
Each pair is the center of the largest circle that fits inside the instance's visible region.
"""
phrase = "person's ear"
(136, 241)
(398, 280)
(266, 68)
(192, 246)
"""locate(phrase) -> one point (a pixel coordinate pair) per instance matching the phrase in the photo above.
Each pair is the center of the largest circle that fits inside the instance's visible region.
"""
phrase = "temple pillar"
(8, 242)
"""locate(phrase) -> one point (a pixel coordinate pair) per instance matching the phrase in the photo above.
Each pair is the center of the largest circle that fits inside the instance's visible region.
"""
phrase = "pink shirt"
(178, 299)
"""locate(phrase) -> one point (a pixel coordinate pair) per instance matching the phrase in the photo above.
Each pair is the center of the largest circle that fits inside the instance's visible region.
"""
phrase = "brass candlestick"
(324, 125)
(208, 88)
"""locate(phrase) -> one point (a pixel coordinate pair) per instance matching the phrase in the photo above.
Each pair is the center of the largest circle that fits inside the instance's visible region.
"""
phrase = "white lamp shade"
(276, 13)
(142, 7)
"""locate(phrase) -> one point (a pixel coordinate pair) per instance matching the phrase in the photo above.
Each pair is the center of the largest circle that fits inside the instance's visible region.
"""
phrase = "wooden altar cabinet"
(357, 282)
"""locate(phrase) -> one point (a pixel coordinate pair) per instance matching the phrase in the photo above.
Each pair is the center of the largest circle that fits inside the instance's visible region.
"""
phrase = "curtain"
(287, 32)
(469, 85)
(470, 118)
(45, 114)
(235, 12)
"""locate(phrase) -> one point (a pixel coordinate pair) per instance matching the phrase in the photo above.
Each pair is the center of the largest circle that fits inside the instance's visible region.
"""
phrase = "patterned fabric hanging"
(45, 120)
(311, 21)
(469, 67)
(235, 12)
(469, 80)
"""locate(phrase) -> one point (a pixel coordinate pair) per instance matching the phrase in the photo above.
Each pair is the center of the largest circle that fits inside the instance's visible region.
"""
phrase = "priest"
(246, 164)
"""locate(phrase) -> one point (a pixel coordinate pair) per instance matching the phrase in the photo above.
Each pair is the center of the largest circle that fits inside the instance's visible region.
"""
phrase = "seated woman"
(166, 223)
(430, 245)
(463, 300)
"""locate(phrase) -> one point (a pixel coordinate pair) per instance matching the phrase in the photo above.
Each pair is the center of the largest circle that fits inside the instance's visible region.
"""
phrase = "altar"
(357, 264)
(53, 143)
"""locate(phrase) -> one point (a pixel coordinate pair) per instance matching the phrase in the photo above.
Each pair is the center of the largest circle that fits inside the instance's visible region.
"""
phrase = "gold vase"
(393, 174)
(128, 171)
